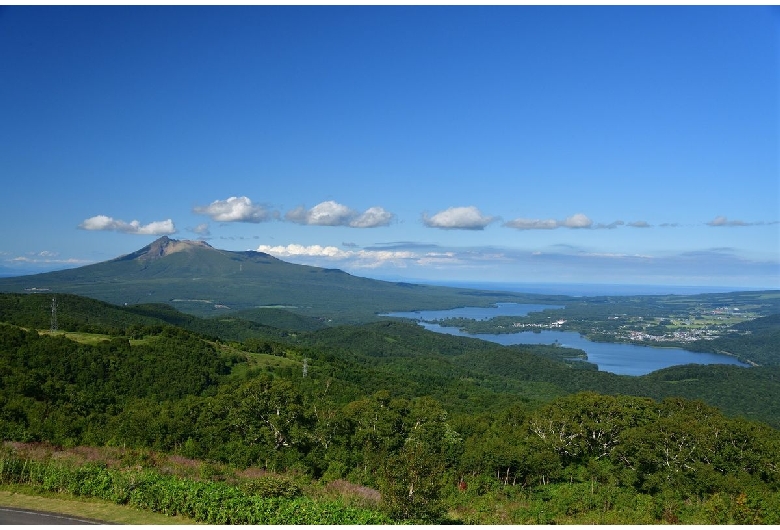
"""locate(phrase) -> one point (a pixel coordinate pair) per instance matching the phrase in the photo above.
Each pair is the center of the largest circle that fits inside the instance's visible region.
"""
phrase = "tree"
(413, 480)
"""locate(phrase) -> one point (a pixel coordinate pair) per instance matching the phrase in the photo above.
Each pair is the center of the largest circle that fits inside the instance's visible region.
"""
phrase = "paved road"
(22, 516)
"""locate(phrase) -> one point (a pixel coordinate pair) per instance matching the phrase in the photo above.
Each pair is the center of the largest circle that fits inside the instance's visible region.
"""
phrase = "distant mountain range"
(199, 279)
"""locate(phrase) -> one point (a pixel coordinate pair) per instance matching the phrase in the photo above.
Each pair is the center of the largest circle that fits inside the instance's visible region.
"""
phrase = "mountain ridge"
(199, 279)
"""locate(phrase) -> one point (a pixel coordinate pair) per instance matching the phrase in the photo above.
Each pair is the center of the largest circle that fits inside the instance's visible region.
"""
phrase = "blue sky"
(514, 144)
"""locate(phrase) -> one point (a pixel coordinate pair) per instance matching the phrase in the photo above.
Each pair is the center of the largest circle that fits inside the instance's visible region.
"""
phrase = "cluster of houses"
(676, 336)
(549, 325)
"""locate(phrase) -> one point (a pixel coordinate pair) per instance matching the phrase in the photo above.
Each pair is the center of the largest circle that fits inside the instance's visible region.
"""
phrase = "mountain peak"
(165, 246)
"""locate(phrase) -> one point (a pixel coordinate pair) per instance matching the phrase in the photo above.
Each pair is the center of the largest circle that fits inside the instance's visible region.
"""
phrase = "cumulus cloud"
(41, 258)
(236, 209)
(374, 216)
(358, 258)
(400, 255)
(578, 220)
(102, 222)
(331, 213)
(202, 229)
(554, 263)
(575, 221)
(287, 251)
(722, 220)
(610, 226)
(458, 218)
(533, 224)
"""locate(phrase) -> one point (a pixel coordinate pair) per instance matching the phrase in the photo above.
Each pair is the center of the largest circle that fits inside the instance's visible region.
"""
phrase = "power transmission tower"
(305, 366)
(53, 315)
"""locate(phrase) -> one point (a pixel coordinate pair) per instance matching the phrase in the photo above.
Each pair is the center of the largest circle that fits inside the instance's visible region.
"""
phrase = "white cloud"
(45, 257)
(294, 250)
(357, 258)
(532, 224)
(375, 216)
(439, 260)
(721, 220)
(202, 229)
(558, 263)
(458, 218)
(102, 222)
(42, 259)
(575, 221)
(400, 256)
(331, 213)
(610, 226)
(639, 224)
(236, 209)
(615, 255)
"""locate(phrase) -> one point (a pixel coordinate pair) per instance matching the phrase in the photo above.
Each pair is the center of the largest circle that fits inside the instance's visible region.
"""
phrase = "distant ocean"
(590, 289)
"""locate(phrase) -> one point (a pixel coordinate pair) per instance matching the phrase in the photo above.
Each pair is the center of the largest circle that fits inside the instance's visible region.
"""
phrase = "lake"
(617, 358)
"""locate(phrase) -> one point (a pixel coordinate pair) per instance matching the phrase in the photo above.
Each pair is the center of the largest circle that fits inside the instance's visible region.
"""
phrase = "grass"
(91, 339)
(81, 338)
(26, 497)
(257, 361)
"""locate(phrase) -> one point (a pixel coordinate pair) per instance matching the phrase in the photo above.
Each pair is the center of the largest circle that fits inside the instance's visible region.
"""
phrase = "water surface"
(617, 358)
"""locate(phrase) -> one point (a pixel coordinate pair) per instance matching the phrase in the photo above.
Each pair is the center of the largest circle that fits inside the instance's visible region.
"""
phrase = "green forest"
(283, 419)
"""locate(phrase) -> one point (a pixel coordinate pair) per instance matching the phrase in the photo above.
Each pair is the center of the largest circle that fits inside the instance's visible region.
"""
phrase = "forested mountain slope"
(391, 406)
(420, 362)
(526, 370)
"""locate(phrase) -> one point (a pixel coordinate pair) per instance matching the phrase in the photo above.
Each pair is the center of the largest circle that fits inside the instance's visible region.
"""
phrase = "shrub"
(267, 500)
(272, 486)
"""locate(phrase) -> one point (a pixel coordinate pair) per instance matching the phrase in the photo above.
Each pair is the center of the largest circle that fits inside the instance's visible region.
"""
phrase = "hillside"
(419, 362)
(385, 405)
(199, 279)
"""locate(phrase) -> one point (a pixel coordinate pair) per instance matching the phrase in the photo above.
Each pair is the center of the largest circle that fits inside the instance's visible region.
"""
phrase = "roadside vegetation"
(264, 500)
(24, 497)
